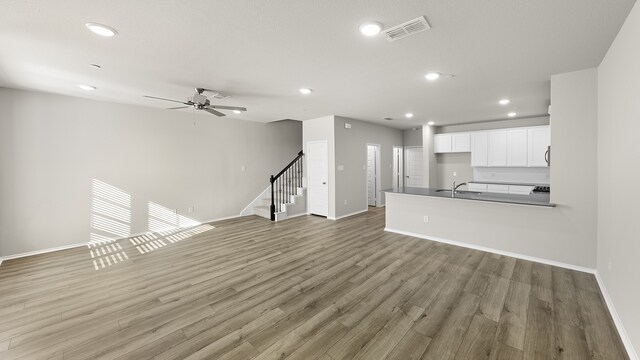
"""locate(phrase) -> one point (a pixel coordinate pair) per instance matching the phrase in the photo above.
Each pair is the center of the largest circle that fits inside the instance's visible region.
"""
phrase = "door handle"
(407, 176)
(324, 183)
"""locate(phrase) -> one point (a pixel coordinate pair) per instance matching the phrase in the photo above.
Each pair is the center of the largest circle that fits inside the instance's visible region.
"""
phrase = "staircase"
(288, 196)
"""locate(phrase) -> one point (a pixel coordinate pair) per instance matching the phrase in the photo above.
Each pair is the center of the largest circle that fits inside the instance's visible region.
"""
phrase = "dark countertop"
(535, 199)
(504, 183)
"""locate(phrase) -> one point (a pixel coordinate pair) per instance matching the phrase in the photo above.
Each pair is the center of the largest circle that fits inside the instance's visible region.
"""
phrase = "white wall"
(52, 147)
(574, 127)
(351, 153)
(412, 137)
(619, 169)
(316, 130)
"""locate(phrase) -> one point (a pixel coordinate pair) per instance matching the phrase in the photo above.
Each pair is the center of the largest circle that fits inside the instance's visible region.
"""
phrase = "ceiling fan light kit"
(201, 102)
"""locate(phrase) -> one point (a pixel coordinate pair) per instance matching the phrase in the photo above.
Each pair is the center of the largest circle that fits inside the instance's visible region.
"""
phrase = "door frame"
(397, 167)
(309, 172)
(378, 189)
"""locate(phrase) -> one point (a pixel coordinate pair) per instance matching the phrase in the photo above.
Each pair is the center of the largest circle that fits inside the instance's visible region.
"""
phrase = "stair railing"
(285, 184)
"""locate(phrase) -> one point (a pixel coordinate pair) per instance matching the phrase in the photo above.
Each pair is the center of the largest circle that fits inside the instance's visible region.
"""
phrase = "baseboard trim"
(297, 215)
(347, 215)
(72, 246)
(496, 251)
(43, 251)
(616, 319)
(225, 218)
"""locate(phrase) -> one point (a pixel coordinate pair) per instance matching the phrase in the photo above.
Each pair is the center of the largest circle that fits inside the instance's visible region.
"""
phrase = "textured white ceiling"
(262, 52)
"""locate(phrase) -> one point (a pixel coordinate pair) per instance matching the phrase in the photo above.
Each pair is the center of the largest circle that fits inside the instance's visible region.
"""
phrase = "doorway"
(414, 167)
(318, 167)
(373, 175)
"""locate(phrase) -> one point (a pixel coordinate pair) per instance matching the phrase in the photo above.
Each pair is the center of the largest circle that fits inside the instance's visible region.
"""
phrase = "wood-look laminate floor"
(305, 288)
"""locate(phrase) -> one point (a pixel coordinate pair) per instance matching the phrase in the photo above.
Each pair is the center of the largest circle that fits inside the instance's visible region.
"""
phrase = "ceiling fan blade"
(211, 111)
(158, 98)
(222, 107)
(179, 107)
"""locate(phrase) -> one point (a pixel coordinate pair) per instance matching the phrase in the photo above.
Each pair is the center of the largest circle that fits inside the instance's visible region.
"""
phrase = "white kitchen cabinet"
(520, 189)
(442, 143)
(496, 188)
(517, 147)
(497, 148)
(460, 142)
(479, 148)
(453, 142)
(477, 187)
(539, 140)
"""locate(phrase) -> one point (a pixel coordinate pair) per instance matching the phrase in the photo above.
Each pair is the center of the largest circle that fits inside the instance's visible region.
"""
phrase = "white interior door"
(372, 172)
(318, 167)
(414, 165)
(398, 165)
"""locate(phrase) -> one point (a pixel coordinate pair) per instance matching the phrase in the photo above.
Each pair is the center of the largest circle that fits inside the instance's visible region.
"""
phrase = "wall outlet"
(426, 219)
(244, 168)
(345, 202)
(455, 174)
(347, 126)
(340, 167)
(190, 209)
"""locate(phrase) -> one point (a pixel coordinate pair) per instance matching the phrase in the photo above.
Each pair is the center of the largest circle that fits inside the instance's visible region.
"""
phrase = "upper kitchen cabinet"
(442, 143)
(497, 148)
(517, 147)
(453, 142)
(539, 141)
(479, 148)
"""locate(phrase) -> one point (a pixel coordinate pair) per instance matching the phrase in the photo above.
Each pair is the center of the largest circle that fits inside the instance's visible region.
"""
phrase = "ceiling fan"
(201, 102)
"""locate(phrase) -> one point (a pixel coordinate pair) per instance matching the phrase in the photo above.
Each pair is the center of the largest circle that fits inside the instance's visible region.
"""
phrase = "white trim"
(296, 215)
(496, 251)
(221, 219)
(254, 201)
(350, 214)
(66, 247)
(616, 319)
(43, 251)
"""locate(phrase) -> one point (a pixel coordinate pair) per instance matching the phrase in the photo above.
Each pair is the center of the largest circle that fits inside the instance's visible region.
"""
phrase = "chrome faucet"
(455, 187)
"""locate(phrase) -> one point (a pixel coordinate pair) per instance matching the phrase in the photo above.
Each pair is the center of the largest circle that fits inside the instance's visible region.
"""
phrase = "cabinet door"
(517, 147)
(479, 148)
(520, 189)
(460, 142)
(442, 143)
(539, 140)
(498, 148)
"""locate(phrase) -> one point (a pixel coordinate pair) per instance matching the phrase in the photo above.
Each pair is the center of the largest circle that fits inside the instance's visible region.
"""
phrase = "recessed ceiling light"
(432, 76)
(504, 101)
(237, 111)
(431, 123)
(86, 87)
(408, 115)
(305, 91)
(370, 28)
(102, 30)
(512, 114)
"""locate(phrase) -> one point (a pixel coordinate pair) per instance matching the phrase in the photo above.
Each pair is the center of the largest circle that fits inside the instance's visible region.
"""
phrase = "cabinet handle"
(546, 157)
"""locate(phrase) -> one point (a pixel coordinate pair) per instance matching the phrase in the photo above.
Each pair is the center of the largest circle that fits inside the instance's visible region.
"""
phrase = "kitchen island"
(524, 226)
(534, 199)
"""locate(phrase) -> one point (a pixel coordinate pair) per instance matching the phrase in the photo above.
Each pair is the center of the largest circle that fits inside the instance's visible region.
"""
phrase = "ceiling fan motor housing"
(199, 99)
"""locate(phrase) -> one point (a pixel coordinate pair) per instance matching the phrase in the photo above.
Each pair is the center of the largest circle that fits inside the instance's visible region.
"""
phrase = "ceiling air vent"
(409, 28)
